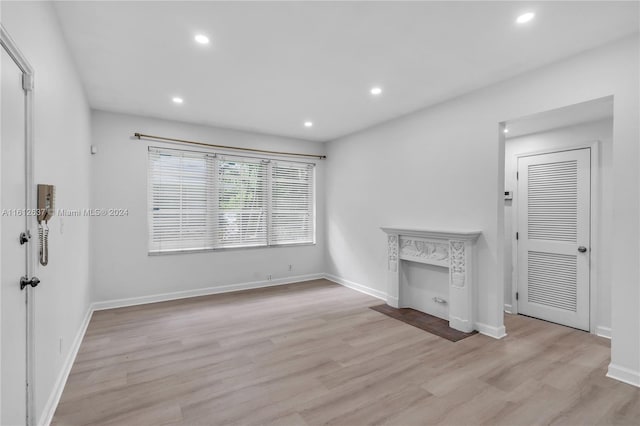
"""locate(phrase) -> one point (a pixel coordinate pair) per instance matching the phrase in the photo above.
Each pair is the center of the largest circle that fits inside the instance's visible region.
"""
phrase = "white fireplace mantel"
(452, 249)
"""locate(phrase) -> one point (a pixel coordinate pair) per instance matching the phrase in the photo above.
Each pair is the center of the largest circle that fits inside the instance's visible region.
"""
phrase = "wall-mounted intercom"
(46, 209)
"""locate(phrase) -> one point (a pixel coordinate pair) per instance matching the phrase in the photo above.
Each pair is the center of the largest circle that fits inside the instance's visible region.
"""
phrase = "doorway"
(16, 254)
(558, 215)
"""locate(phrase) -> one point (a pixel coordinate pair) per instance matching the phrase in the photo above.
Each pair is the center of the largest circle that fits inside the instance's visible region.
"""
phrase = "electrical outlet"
(290, 268)
(269, 277)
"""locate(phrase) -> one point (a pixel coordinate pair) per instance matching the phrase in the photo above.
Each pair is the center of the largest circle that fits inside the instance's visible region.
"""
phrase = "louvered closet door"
(554, 237)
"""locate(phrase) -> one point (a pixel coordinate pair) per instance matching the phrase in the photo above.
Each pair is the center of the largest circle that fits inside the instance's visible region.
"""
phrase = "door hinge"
(517, 295)
(27, 82)
(517, 236)
(24, 237)
(517, 175)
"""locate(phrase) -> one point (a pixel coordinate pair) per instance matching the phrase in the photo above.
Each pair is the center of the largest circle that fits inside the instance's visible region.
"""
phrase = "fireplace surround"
(452, 249)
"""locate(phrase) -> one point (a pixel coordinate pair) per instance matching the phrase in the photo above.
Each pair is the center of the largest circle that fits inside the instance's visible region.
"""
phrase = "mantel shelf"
(446, 234)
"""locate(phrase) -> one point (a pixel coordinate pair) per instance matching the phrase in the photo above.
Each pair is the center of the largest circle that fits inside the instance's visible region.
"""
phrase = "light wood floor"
(313, 353)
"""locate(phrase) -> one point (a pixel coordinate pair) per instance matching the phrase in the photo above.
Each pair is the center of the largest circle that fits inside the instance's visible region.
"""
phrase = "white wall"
(62, 135)
(443, 167)
(122, 269)
(562, 138)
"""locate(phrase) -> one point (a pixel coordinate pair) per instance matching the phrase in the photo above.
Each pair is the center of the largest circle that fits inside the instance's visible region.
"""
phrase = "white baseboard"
(61, 381)
(358, 287)
(624, 374)
(508, 308)
(393, 302)
(491, 331)
(163, 297)
(603, 332)
(459, 324)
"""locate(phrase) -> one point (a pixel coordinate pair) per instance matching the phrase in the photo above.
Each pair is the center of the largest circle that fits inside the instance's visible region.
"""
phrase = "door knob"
(24, 281)
(582, 249)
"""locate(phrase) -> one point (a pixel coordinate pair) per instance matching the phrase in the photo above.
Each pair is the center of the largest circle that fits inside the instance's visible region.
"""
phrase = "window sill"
(190, 251)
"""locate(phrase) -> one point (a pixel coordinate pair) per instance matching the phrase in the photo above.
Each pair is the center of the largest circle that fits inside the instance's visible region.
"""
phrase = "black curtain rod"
(161, 138)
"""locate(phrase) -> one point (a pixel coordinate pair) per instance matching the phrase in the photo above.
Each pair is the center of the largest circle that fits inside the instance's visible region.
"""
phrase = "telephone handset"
(46, 209)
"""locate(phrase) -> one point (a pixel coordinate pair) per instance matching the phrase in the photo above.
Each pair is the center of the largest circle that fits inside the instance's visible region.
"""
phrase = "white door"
(554, 236)
(13, 255)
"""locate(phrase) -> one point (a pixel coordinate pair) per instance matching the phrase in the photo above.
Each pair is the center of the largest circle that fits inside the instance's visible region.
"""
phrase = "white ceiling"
(273, 65)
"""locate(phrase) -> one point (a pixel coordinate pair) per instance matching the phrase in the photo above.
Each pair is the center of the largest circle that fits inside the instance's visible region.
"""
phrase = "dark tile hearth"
(426, 322)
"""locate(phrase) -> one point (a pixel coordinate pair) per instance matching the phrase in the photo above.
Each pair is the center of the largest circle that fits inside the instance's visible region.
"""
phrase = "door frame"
(594, 226)
(10, 46)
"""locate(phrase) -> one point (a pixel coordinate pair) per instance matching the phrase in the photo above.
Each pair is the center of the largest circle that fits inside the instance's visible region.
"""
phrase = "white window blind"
(292, 205)
(204, 201)
(242, 202)
(179, 186)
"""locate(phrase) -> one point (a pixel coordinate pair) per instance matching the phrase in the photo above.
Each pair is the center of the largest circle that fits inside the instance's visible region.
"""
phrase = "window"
(205, 201)
(291, 203)
(241, 213)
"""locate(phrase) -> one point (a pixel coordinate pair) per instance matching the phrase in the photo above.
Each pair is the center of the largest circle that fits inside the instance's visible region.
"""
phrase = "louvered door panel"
(552, 280)
(553, 201)
(553, 219)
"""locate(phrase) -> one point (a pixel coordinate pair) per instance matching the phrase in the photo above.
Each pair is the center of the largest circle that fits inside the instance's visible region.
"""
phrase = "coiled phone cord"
(43, 233)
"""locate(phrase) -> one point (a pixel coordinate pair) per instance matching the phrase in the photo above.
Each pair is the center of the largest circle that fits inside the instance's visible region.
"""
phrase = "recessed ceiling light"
(202, 39)
(506, 130)
(177, 100)
(376, 91)
(525, 17)
(308, 124)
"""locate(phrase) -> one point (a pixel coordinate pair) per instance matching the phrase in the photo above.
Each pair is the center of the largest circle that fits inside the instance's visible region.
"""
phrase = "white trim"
(491, 331)
(508, 308)
(603, 332)
(595, 231)
(10, 46)
(624, 374)
(163, 297)
(56, 392)
(357, 287)
(14, 52)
